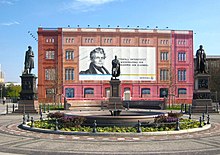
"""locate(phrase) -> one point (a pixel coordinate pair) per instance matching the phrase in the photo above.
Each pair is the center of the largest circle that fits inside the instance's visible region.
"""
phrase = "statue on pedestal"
(115, 68)
(201, 65)
(29, 61)
(28, 96)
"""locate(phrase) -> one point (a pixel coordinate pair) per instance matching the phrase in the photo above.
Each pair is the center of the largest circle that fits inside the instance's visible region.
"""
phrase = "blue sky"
(17, 17)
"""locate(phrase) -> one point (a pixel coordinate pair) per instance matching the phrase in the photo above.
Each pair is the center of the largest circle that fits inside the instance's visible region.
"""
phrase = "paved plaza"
(17, 141)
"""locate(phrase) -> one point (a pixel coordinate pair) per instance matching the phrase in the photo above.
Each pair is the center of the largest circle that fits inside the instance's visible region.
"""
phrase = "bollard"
(40, 110)
(190, 116)
(127, 105)
(101, 105)
(177, 125)
(32, 122)
(24, 108)
(13, 108)
(28, 117)
(189, 110)
(7, 109)
(203, 118)
(94, 127)
(48, 108)
(24, 119)
(208, 119)
(206, 109)
(217, 106)
(139, 127)
(56, 125)
(40, 107)
(200, 121)
(181, 108)
(44, 108)
(185, 108)
(41, 116)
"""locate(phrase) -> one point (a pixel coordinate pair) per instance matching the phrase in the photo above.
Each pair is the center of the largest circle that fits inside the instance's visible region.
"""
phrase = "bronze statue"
(115, 67)
(201, 65)
(29, 61)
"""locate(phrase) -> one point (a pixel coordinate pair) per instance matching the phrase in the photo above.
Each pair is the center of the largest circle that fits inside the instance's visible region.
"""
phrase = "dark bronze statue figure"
(201, 65)
(29, 61)
(115, 68)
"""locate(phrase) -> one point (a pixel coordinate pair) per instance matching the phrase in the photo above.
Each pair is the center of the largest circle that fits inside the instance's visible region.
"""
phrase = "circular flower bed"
(71, 123)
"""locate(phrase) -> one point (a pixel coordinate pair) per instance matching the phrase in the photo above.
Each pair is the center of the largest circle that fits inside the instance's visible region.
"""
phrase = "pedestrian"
(4, 99)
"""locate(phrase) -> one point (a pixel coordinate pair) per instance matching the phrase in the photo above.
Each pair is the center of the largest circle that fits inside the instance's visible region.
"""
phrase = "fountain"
(118, 115)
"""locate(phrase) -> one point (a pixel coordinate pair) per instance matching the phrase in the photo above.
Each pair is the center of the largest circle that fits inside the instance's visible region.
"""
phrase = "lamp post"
(164, 95)
(1, 91)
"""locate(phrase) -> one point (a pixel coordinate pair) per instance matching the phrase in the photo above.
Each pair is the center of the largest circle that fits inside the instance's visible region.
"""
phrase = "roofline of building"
(213, 56)
(117, 29)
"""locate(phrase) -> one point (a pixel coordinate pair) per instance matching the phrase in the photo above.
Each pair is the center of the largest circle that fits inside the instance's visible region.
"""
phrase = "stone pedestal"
(115, 95)
(28, 102)
(202, 102)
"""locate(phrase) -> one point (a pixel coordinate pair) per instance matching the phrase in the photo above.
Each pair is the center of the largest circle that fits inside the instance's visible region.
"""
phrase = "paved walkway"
(3, 108)
(17, 141)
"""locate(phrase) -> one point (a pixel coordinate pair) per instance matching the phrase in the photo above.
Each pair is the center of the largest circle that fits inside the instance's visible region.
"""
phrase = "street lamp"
(164, 96)
(1, 92)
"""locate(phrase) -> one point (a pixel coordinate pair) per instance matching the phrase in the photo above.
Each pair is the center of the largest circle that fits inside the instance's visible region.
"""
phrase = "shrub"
(56, 115)
(65, 121)
(71, 121)
(49, 124)
(165, 121)
(175, 115)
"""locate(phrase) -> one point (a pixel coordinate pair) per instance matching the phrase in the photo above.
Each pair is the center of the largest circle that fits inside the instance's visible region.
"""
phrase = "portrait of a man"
(97, 57)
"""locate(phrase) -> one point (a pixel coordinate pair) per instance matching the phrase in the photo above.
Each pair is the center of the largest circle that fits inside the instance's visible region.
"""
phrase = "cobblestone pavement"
(17, 141)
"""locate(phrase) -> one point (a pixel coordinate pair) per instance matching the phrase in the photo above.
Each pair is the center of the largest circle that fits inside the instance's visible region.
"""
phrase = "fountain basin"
(126, 118)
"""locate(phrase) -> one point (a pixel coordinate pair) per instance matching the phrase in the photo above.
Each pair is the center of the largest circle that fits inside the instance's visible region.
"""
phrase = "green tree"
(13, 91)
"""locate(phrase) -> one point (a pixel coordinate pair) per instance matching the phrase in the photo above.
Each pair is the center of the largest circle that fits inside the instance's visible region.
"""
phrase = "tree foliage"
(13, 91)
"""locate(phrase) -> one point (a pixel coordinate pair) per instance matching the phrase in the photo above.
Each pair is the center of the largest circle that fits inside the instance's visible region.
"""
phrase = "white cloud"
(10, 23)
(85, 5)
(7, 2)
(95, 2)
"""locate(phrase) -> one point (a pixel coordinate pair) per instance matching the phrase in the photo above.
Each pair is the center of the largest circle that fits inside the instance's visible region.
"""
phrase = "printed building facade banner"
(136, 63)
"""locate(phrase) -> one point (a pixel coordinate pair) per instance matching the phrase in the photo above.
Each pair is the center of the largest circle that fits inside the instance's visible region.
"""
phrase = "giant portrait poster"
(137, 63)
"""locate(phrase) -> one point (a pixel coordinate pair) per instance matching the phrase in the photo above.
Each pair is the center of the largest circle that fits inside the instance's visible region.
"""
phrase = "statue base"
(27, 106)
(115, 102)
(28, 102)
(202, 106)
(202, 102)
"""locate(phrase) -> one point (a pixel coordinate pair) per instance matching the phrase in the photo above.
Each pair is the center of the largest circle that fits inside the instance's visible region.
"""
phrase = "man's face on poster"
(98, 59)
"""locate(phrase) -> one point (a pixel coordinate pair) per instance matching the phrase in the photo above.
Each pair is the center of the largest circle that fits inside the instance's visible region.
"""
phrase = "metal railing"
(138, 126)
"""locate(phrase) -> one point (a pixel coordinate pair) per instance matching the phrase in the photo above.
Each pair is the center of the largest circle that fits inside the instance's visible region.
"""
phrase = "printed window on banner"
(69, 40)
(164, 74)
(164, 56)
(127, 94)
(145, 92)
(163, 92)
(107, 92)
(50, 54)
(69, 55)
(88, 92)
(182, 91)
(50, 74)
(181, 56)
(69, 92)
(69, 74)
(50, 93)
(182, 75)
